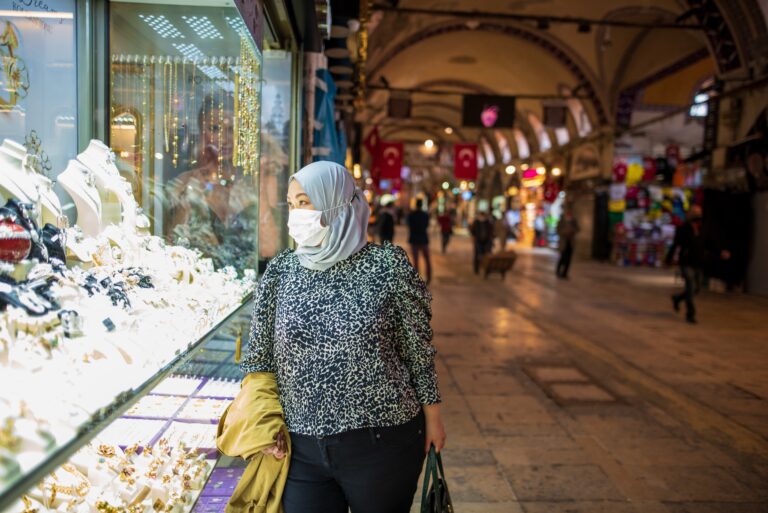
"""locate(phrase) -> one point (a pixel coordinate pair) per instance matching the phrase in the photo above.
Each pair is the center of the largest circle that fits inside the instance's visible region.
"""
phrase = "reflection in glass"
(185, 113)
(275, 154)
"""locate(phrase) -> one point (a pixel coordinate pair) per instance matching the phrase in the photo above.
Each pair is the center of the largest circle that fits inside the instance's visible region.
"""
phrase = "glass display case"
(150, 449)
(126, 268)
(185, 115)
(277, 119)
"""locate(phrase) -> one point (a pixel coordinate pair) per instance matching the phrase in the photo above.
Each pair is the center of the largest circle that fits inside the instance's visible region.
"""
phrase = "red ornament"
(649, 169)
(15, 241)
(619, 172)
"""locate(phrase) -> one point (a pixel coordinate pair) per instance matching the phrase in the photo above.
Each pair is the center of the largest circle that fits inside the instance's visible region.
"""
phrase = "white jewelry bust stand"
(15, 182)
(119, 205)
(50, 206)
(80, 182)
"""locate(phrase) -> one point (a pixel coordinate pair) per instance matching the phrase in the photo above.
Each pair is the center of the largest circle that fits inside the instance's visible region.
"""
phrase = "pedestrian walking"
(691, 256)
(501, 231)
(482, 235)
(418, 238)
(344, 327)
(445, 220)
(567, 228)
(386, 223)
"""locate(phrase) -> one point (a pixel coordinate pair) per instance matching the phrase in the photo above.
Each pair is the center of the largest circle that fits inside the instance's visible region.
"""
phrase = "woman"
(344, 325)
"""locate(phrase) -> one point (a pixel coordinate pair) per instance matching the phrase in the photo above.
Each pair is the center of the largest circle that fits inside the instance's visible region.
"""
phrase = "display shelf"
(18, 485)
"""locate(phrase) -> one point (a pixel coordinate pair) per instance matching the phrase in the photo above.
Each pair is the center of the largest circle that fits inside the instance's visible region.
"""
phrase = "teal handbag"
(434, 494)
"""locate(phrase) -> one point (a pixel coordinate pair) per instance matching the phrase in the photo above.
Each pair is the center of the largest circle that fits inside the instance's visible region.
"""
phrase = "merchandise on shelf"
(643, 213)
(92, 315)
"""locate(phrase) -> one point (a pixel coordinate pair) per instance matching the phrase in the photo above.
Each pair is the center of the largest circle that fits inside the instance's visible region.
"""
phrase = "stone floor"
(591, 395)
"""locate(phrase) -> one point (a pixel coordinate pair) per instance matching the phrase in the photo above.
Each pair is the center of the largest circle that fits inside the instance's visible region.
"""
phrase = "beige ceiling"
(509, 57)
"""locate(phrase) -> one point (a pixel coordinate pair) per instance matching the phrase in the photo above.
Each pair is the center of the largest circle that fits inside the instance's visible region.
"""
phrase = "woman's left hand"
(435, 429)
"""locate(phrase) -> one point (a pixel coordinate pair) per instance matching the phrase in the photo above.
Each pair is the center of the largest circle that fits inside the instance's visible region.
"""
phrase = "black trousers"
(565, 260)
(373, 470)
(481, 249)
(445, 238)
(692, 279)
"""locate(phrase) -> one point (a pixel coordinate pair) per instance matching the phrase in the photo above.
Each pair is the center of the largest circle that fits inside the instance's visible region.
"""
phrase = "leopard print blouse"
(350, 346)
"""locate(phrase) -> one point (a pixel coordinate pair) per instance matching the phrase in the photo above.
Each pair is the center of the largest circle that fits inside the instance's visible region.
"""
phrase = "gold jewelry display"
(175, 105)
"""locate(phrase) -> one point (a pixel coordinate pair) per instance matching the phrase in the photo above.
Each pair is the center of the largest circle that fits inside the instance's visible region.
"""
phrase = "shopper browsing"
(344, 326)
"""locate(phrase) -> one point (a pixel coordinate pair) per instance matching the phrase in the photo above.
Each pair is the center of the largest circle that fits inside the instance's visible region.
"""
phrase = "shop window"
(541, 133)
(184, 116)
(523, 150)
(38, 83)
(275, 155)
(503, 144)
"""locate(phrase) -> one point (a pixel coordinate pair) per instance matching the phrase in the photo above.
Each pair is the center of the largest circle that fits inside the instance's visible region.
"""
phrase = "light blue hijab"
(332, 189)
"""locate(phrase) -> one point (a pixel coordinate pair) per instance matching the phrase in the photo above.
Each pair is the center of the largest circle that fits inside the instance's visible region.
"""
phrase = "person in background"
(386, 223)
(501, 231)
(691, 256)
(567, 228)
(445, 220)
(482, 234)
(540, 230)
(418, 223)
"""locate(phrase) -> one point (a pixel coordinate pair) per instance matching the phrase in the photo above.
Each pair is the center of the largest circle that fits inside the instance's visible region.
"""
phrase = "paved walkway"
(591, 395)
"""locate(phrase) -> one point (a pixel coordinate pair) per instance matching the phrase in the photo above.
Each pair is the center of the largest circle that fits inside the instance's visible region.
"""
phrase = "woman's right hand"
(280, 449)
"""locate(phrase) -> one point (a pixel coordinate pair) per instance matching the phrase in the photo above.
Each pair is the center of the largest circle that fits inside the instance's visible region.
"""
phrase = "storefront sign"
(585, 162)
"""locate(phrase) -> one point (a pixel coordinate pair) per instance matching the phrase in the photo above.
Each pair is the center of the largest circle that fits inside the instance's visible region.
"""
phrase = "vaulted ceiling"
(488, 54)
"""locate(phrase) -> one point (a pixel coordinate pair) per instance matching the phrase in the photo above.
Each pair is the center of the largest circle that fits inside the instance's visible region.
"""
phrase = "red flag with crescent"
(372, 142)
(390, 159)
(465, 161)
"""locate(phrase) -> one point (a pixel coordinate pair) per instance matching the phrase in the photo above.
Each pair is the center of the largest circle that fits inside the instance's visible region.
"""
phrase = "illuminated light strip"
(37, 14)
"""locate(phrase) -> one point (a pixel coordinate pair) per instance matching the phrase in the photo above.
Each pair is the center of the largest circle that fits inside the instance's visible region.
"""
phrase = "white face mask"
(306, 228)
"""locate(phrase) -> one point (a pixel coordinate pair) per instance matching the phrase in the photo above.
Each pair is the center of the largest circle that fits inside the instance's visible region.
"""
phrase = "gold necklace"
(175, 140)
(166, 112)
(222, 99)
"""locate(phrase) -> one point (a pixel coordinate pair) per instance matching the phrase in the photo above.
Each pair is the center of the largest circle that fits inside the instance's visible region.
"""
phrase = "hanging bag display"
(434, 495)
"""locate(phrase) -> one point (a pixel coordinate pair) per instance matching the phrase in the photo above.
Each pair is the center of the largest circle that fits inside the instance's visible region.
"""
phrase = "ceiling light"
(203, 27)
(541, 170)
(429, 144)
(556, 171)
(160, 24)
(448, 130)
(446, 185)
(511, 170)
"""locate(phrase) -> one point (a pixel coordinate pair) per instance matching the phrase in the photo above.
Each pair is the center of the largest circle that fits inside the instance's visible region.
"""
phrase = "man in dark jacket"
(691, 258)
(482, 233)
(386, 223)
(418, 223)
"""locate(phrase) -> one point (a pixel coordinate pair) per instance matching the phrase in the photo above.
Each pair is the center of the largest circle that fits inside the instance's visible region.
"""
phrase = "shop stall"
(129, 245)
(648, 199)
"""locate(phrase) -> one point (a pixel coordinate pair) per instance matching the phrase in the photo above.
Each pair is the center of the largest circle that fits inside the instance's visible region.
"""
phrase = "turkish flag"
(390, 159)
(372, 142)
(465, 161)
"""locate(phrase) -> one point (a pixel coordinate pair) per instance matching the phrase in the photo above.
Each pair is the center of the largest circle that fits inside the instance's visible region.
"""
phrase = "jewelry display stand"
(118, 204)
(15, 182)
(50, 206)
(80, 182)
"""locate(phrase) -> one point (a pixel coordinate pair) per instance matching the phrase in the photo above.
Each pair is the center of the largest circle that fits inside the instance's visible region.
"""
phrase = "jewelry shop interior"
(143, 149)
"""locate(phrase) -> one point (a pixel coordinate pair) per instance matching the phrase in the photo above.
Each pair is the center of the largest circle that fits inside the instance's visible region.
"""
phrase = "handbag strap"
(428, 472)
